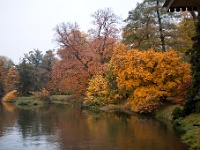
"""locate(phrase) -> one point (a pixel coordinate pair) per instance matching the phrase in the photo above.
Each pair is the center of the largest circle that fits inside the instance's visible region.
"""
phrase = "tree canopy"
(148, 77)
(149, 26)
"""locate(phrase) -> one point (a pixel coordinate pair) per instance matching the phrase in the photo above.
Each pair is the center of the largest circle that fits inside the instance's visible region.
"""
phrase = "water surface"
(67, 127)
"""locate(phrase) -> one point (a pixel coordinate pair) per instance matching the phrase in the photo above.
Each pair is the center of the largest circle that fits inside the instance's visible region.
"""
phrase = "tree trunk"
(162, 38)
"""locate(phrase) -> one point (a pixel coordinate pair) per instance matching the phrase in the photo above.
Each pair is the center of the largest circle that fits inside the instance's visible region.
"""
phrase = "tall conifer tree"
(193, 92)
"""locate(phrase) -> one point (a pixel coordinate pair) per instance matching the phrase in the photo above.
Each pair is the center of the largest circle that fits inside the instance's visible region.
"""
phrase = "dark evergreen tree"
(26, 78)
(193, 92)
(35, 71)
(46, 67)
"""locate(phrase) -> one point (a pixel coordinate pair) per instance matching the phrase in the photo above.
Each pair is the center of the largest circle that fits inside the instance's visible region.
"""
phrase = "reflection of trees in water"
(7, 116)
(73, 128)
(37, 122)
(126, 131)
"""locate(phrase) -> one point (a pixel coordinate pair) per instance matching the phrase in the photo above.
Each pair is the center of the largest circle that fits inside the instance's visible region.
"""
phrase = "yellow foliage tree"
(186, 29)
(97, 90)
(148, 77)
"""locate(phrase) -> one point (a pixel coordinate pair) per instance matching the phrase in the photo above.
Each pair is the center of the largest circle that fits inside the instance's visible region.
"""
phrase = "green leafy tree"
(149, 26)
(34, 59)
(35, 71)
(42, 67)
(46, 67)
(26, 80)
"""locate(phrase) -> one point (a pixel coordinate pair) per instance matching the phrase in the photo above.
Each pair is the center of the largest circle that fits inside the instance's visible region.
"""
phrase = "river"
(68, 127)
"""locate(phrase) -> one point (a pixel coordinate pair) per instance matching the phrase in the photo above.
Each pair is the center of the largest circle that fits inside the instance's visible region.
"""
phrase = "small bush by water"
(42, 95)
(10, 96)
(177, 113)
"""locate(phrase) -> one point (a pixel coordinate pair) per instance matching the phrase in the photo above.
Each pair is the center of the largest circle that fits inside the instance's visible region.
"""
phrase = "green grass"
(35, 101)
(28, 102)
(65, 99)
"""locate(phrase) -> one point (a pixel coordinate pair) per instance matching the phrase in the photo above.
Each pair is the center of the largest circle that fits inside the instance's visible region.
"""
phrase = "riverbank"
(189, 124)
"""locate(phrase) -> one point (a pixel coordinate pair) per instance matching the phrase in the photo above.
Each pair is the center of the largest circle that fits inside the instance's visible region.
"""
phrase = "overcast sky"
(26, 25)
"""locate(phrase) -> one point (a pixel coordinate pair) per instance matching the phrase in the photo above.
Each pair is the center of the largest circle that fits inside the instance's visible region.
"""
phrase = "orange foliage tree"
(2, 76)
(11, 79)
(5, 65)
(104, 36)
(83, 55)
(70, 72)
(148, 77)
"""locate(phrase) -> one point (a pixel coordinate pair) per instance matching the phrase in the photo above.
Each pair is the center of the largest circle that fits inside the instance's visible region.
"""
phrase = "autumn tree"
(11, 79)
(104, 34)
(83, 55)
(2, 76)
(149, 77)
(103, 90)
(70, 72)
(186, 30)
(149, 26)
(8, 63)
(97, 91)
(5, 65)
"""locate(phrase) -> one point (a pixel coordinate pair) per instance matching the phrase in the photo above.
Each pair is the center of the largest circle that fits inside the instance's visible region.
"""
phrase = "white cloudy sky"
(26, 25)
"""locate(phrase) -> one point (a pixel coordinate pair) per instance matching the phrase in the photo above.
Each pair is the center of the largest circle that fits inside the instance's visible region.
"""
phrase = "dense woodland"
(142, 64)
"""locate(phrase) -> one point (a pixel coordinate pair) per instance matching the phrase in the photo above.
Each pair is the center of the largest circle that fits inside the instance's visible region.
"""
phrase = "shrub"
(43, 95)
(197, 107)
(10, 96)
(182, 90)
(177, 113)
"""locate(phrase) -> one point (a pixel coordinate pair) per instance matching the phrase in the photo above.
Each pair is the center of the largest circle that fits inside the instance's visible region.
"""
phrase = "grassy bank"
(35, 101)
(65, 99)
(191, 135)
(27, 102)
